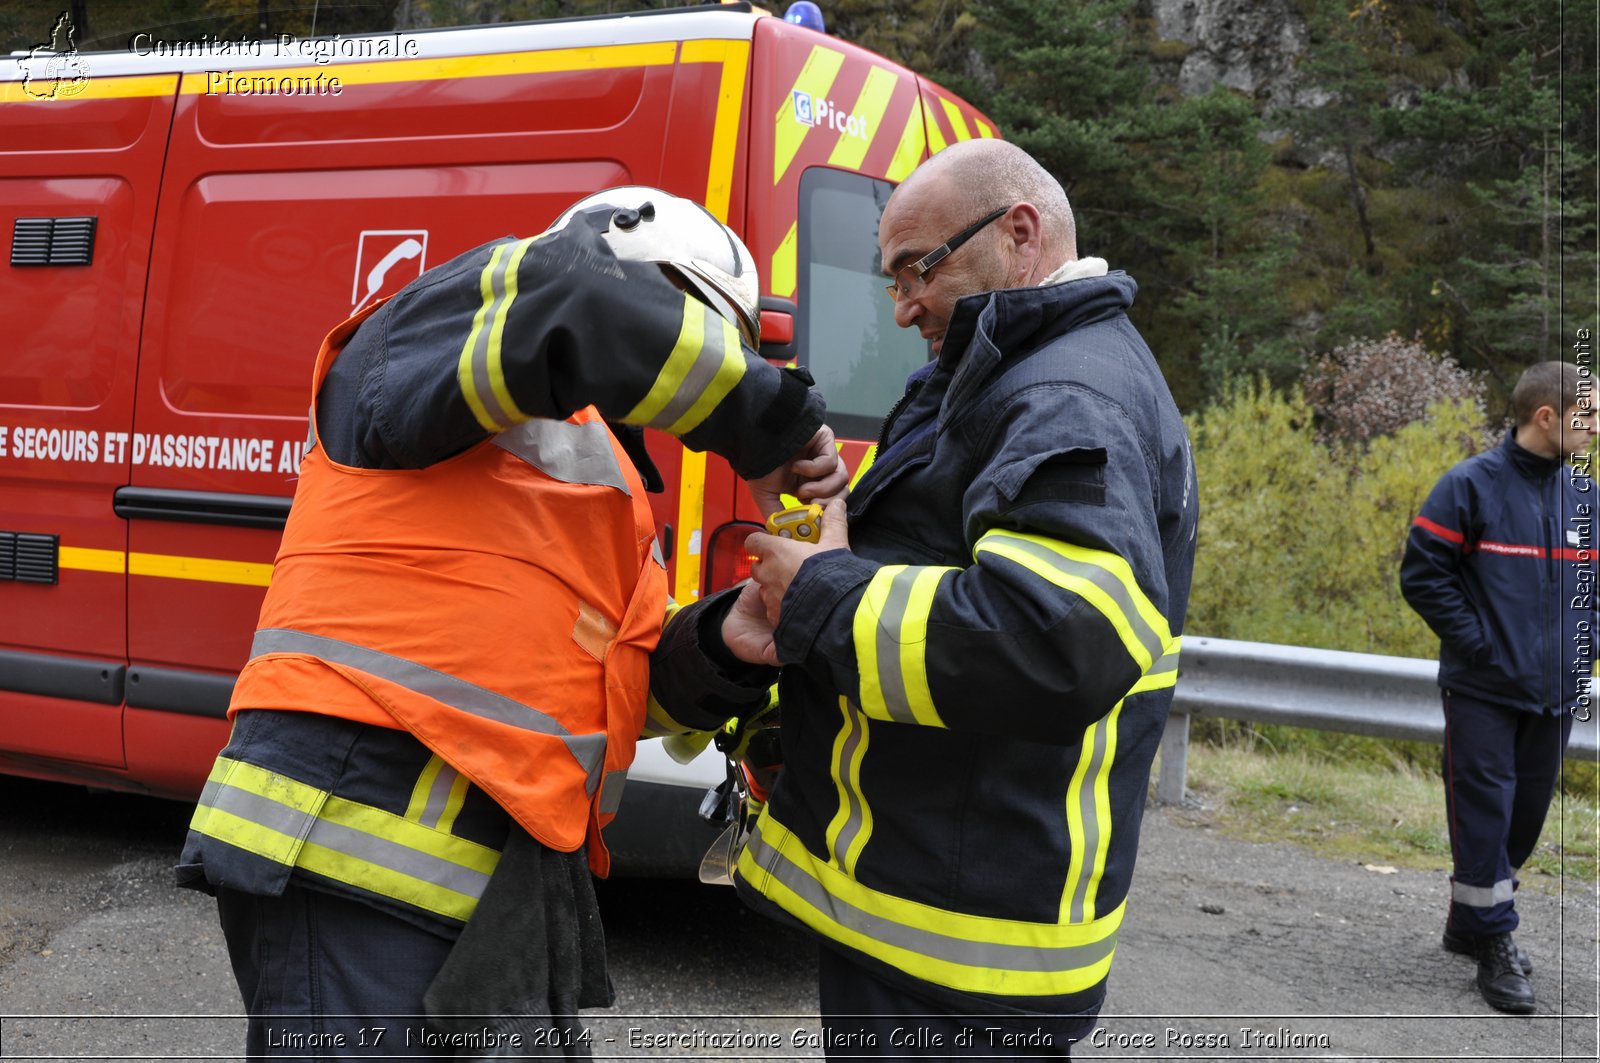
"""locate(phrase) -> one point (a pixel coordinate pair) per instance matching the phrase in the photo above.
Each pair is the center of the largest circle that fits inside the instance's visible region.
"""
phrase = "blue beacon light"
(805, 13)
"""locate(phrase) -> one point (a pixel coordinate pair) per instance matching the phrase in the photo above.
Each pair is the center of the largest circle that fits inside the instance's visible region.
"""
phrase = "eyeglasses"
(911, 280)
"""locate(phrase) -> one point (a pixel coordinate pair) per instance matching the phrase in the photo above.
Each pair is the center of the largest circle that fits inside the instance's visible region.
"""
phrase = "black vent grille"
(52, 241)
(29, 558)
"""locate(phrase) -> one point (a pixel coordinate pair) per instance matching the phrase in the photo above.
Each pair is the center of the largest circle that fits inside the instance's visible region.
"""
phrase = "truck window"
(846, 333)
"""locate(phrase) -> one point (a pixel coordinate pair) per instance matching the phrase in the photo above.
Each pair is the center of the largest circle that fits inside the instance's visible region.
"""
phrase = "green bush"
(1300, 543)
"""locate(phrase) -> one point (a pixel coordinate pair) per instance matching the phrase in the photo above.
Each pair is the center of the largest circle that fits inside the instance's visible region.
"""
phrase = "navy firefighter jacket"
(1501, 565)
(979, 683)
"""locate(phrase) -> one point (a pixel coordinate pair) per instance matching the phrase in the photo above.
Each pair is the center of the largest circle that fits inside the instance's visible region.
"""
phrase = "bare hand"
(746, 631)
(777, 560)
(815, 474)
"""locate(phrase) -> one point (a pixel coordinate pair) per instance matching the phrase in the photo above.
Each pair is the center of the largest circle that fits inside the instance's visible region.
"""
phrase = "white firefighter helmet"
(649, 225)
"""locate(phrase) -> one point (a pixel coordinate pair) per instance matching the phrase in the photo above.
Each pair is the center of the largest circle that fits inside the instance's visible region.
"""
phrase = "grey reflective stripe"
(891, 680)
(919, 940)
(1090, 842)
(1106, 581)
(491, 314)
(588, 750)
(1482, 896)
(311, 427)
(571, 453)
(439, 794)
(247, 806)
(655, 553)
(700, 375)
(855, 817)
(348, 841)
(611, 791)
(1167, 662)
(371, 849)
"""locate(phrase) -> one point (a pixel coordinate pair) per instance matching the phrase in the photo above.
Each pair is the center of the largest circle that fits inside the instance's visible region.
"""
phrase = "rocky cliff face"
(1248, 45)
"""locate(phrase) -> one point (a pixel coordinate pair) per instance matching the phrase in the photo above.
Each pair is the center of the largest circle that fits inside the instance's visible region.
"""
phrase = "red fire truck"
(188, 219)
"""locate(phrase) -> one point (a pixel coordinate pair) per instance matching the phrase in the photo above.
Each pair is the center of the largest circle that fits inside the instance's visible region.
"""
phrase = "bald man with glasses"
(979, 656)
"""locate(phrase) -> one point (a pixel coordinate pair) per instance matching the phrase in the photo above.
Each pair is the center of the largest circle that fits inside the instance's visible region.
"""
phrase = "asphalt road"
(1230, 950)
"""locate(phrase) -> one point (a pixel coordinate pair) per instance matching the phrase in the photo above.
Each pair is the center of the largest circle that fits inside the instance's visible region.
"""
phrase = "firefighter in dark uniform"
(978, 671)
(1494, 564)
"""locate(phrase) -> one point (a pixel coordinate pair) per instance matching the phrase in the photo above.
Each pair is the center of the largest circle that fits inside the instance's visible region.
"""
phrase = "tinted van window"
(846, 333)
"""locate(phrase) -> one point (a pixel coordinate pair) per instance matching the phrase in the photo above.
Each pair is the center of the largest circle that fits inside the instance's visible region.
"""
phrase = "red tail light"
(726, 561)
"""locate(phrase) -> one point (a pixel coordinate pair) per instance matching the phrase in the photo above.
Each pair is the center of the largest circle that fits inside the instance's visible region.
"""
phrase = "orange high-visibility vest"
(501, 606)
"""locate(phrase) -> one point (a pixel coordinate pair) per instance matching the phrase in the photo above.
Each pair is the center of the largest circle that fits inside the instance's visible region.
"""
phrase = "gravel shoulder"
(1230, 950)
(1279, 952)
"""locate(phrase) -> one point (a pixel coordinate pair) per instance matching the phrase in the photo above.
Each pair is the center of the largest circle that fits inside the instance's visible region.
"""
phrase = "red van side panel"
(66, 401)
(278, 215)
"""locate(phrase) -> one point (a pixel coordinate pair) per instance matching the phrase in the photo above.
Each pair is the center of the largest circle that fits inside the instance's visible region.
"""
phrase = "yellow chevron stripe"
(866, 463)
(936, 140)
(913, 139)
(816, 78)
(957, 121)
(870, 107)
(785, 263)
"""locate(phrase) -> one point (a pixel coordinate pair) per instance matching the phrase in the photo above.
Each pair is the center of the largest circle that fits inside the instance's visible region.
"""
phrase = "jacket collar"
(988, 327)
(1525, 461)
(1020, 319)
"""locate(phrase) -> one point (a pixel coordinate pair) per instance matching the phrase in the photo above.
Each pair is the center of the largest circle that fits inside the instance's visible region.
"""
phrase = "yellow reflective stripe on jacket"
(298, 825)
(852, 824)
(1099, 577)
(1088, 803)
(479, 370)
(891, 642)
(658, 723)
(1164, 673)
(965, 952)
(706, 363)
(1089, 818)
(437, 798)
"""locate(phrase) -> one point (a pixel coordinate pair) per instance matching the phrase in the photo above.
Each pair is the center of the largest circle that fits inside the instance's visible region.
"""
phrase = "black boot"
(1463, 945)
(1500, 978)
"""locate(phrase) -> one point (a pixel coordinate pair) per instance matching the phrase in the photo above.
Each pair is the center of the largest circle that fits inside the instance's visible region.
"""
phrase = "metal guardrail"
(1326, 690)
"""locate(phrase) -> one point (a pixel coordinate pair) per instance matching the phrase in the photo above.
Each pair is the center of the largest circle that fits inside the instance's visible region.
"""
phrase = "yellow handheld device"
(798, 522)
